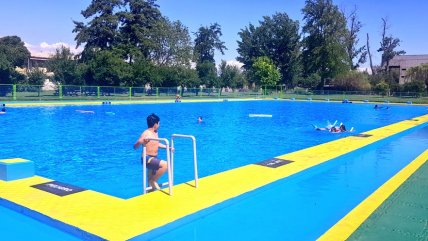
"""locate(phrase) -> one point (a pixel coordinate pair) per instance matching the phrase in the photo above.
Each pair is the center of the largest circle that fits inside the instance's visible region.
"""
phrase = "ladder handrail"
(195, 162)
(168, 160)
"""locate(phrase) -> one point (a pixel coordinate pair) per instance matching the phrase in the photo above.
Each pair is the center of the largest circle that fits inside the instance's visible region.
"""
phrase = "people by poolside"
(156, 166)
(177, 98)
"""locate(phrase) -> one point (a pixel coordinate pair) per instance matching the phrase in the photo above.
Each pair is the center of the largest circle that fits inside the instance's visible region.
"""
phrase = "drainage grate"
(58, 188)
(274, 162)
(363, 135)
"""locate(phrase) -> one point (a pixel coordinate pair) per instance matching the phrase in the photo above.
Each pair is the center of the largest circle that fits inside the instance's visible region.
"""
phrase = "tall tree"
(278, 38)
(14, 50)
(388, 46)
(324, 50)
(355, 53)
(137, 22)
(173, 45)
(101, 31)
(207, 40)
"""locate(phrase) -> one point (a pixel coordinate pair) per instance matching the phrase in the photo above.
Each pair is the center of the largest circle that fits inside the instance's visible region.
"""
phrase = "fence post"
(98, 92)
(14, 92)
(130, 92)
(60, 91)
(157, 91)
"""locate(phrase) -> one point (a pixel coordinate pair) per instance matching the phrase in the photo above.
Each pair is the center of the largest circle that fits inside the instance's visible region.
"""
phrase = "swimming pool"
(94, 151)
(304, 206)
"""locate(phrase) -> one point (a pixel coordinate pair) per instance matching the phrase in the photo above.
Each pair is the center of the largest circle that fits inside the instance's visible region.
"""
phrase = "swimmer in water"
(86, 111)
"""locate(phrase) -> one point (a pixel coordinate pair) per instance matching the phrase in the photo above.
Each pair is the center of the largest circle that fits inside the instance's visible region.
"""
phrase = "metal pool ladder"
(170, 162)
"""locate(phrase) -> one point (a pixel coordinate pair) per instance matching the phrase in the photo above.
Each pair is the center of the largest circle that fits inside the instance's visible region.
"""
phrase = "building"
(36, 62)
(402, 63)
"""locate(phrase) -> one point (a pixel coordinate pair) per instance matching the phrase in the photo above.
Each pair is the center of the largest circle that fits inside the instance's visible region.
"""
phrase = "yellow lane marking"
(343, 229)
(117, 219)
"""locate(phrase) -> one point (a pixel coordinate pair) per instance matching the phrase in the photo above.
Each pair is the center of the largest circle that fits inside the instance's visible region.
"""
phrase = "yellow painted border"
(343, 229)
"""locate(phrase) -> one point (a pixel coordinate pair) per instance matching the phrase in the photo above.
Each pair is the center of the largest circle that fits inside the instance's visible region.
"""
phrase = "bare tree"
(354, 52)
(388, 46)
(370, 55)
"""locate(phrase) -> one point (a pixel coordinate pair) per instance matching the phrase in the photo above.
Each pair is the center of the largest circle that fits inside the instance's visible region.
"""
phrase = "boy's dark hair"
(152, 120)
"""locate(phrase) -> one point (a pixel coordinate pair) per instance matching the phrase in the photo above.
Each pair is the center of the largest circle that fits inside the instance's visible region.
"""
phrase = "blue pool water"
(304, 206)
(94, 151)
(17, 227)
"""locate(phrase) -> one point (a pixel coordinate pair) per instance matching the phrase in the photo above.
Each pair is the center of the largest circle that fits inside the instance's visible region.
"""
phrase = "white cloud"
(234, 63)
(54, 46)
(45, 49)
(27, 45)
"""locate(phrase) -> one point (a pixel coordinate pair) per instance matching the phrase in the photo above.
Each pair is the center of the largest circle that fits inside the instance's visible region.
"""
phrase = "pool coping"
(345, 227)
(96, 216)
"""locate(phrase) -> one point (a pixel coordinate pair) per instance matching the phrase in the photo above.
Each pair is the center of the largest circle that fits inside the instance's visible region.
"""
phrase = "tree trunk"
(370, 55)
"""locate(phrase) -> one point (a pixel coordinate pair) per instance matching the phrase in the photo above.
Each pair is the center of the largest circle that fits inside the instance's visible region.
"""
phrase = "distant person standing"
(177, 98)
(156, 166)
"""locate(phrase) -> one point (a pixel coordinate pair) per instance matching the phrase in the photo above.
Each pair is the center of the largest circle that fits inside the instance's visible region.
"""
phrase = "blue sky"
(46, 24)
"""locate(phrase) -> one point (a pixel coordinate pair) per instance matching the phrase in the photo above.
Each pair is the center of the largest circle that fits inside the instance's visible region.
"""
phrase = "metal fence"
(70, 92)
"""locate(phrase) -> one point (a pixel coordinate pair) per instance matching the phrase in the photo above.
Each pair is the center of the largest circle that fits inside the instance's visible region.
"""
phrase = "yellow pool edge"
(343, 229)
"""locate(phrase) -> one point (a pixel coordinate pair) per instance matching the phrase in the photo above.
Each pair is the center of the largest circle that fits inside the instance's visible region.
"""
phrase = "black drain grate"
(363, 135)
(274, 162)
(58, 188)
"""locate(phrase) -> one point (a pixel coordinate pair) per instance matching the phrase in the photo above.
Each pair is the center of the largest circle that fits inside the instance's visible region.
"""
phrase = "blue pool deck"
(92, 215)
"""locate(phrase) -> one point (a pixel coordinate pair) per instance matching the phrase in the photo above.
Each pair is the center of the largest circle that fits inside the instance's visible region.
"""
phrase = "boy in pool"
(156, 165)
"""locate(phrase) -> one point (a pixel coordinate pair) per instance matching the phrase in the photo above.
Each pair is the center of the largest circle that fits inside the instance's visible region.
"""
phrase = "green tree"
(231, 76)
(65, 67)
(179, 76)
(417, 86)
(419, 73)
(13, 49)
(101, 30)
(207, 73)
(107, 68)
(352, 81)
(6, 70)
(138, 21)
(278, 38)
(324, 48)
(265, 72)
(382, 88)
(310, 81)
(36, 77)
(207, 40)
(173, 45)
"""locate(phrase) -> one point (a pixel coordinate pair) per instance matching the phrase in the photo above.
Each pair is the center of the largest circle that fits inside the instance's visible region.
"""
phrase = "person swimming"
(199, 119)
(3, 109)
(86, 111)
